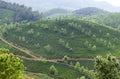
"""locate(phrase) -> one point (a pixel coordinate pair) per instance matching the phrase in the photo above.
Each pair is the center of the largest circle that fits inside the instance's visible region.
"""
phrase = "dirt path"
(33, 57)
(74, 59)
(19, 48)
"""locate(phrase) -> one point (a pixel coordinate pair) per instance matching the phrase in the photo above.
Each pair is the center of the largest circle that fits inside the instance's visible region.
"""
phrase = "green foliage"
(109, 19)
(53, 70)
(15, 51)
(48, 48)
(17, 13)
(94, 48)
(4, 50)
(67, 45)
(89, 11)
(55, 11)
(80, 38)
(77, 66)
(31, 31)
(81, 77)
(107, 68)
(11, 67)
(6, 16)
(65, 58)
(61, 42)
(64, 71)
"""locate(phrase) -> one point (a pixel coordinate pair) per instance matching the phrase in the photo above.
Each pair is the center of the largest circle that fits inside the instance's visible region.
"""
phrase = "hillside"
(6, 16)
(64, 71)
(56, 11)
(72, 37)
(64, 13)
(109, 19)
(89, 11)
(13, 50)
(59, 43)
(30, 75)
(16, 13)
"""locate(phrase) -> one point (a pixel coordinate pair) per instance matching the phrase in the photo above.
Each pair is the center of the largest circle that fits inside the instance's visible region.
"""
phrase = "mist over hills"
(44, 5)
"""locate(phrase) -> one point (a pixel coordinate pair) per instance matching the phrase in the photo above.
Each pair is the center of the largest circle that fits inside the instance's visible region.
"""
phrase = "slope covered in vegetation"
(89, 11)
(16, 13)
(30, 75)
(63, 71)
(72, 37)
(13, 50)
(6, 16)
(109, 19)
(55, 11)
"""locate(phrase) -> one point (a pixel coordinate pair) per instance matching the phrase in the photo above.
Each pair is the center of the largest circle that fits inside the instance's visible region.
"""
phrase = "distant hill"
(89, 11)
(59, 37)
(59, 12)
(16, 13)
(44, 5)
(109, 19)
(56, 11)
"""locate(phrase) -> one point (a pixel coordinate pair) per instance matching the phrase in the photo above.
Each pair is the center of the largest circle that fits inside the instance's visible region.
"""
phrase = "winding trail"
(19, 47)
(33, 57)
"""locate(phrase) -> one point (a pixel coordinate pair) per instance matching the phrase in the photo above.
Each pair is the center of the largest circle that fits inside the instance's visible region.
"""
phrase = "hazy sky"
(113, 2)
(43, 5)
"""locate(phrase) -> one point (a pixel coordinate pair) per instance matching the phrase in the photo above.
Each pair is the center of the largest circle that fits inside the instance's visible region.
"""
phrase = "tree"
(72, 35)
(109, 45)
(11, 67)
(94, 36)
(108, 34)
(67, 46)
(86, 44)
(77, 66)
(107, 68)
(31, 31)
(48, 48)
(55, 29)
(53, 70)
(65, 58)
(83, 77)
(61, 42)
(63, 31)
(94, 48)
(4, 50)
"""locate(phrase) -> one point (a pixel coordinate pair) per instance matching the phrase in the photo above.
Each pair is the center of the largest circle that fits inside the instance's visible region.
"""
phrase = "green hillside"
(12, 12)
(62, 45)
(30, 75)
(13, 50)
(56, 11)
(72, 37)
(109, 19)
(89, 11)
(64, 71)
(6, 16)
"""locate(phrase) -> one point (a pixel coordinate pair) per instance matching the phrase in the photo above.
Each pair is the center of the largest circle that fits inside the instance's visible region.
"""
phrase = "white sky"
(113, 2)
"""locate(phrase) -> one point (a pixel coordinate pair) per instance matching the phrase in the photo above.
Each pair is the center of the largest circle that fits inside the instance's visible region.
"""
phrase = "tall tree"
(11, 67)
(53, 70)
(107, 68)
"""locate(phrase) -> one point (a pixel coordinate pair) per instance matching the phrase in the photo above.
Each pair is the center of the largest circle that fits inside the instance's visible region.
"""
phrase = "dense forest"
(17, 12)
